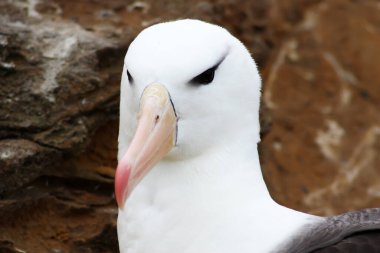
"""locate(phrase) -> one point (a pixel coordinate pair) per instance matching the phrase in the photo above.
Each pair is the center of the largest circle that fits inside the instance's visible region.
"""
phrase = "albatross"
(188, 178)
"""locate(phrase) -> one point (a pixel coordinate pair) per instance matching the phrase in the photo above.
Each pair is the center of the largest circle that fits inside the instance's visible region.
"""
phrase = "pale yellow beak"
(154, 138)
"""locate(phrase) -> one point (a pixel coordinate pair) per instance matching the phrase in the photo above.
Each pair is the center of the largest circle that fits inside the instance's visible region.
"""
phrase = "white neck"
(232, 169)
(216, 202)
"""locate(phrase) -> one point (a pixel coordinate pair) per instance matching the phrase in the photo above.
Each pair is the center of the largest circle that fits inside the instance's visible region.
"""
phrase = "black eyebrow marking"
(220, 61)
(130, 78)
(195, 82)
(216, 65)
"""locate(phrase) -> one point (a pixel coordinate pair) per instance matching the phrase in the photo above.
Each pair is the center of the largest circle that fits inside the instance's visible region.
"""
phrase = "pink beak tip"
(123, 172)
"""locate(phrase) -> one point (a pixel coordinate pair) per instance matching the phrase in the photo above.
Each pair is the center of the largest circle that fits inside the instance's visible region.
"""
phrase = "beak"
(154, 138)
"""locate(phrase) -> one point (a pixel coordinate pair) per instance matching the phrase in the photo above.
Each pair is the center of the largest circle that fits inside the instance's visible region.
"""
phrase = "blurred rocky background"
(60, 63)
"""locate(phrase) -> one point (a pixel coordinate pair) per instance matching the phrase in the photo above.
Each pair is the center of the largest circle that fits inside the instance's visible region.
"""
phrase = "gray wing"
(362, 242)
(331, 230)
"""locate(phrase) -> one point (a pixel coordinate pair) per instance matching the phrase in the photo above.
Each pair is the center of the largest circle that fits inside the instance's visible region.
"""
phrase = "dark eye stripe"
(130, 78)
(205, 77)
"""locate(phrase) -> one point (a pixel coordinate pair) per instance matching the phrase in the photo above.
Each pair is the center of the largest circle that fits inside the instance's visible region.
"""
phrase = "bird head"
(187, 87)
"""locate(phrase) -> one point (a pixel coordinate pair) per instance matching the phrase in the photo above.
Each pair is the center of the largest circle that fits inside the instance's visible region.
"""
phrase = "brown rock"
(59, 215)
(56, 85)
(22, 161)
(323, 94)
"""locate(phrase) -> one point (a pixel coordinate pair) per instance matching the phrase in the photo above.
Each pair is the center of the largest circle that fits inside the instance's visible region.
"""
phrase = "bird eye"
(130, 78)
(205, 77)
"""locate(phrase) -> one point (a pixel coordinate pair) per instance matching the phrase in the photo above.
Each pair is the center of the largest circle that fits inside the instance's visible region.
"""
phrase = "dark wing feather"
(331, 230)
(362, 242)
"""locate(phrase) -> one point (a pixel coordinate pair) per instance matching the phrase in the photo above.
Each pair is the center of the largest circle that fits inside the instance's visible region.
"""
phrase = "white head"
(210, 79)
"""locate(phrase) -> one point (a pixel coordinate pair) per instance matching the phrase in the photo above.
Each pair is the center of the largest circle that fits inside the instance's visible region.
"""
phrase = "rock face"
(58, 84)
(56, 88)
(60, 64)
(322, 90)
